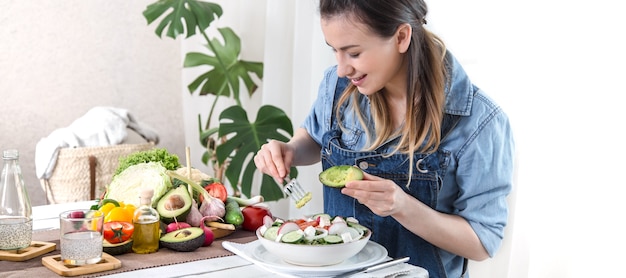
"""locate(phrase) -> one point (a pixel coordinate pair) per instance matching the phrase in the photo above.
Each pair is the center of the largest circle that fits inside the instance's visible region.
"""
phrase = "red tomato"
(253, 217)
(118, 231)
(217, 190)
(304, 224)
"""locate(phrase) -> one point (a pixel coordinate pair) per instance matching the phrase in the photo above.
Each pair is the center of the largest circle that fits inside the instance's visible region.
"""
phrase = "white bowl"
(313, 255)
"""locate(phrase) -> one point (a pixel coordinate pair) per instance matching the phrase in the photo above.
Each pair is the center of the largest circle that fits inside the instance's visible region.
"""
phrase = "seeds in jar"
(15, 233)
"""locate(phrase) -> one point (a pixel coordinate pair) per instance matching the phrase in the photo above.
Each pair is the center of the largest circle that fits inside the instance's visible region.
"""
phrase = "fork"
(294, 190)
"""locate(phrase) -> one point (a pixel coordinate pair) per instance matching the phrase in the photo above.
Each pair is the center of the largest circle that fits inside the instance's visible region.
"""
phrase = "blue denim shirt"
(478, 175)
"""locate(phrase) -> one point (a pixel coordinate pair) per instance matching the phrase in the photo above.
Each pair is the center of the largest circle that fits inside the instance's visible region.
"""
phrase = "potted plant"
(228, 145)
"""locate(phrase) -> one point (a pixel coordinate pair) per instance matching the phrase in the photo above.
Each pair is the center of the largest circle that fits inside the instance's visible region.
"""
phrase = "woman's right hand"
(275, 159)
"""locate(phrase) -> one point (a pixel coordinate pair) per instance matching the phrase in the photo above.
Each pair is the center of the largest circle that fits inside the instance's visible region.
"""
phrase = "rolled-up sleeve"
(484, 177)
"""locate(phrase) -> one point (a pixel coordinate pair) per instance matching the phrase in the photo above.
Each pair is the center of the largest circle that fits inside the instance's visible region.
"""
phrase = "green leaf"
(184, 15)
(226, 69)
(245, 139)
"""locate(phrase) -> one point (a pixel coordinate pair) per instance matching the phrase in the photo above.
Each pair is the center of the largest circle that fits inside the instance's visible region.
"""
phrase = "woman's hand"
(274, 159)
(380, 195)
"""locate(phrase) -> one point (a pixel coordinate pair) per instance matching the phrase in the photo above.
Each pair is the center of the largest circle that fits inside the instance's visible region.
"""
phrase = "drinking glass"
(81, 237)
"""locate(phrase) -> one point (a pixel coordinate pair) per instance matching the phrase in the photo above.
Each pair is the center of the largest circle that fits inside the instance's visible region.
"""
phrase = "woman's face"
(369, 61)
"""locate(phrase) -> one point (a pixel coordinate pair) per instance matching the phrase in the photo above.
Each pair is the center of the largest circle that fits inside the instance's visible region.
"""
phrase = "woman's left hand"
(380, 195)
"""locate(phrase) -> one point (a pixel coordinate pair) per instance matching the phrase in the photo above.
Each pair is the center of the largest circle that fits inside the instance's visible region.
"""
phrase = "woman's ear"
(403, 37)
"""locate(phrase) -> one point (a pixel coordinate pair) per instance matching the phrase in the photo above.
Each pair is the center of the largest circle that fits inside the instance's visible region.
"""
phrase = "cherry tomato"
(216, 189)
(253, 217)
(118, 231)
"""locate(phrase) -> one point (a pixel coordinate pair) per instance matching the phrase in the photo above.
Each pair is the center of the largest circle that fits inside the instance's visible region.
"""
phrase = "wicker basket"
(82, 174)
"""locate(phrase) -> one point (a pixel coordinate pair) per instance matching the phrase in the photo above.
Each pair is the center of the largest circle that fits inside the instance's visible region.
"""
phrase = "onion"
(194, 217)
(208, 233)
(212, 207)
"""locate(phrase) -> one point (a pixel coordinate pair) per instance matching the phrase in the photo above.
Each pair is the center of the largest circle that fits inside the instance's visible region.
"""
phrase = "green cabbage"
(126, 186)
(168, 160)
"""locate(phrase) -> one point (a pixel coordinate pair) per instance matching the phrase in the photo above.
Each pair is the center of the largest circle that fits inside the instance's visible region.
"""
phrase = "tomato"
(253, 217)
(118, 231)
(304, 224)
(216, 189)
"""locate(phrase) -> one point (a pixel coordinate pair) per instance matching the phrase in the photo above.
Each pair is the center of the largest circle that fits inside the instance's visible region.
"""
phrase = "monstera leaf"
(226, 68)
(238, 139)
(245, 139)
(183, 13)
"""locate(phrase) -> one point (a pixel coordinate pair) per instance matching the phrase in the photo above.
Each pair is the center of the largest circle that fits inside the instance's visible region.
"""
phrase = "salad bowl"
(323, 243)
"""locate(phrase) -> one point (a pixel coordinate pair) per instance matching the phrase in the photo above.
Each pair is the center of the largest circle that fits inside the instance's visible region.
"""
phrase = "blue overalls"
(425, 184)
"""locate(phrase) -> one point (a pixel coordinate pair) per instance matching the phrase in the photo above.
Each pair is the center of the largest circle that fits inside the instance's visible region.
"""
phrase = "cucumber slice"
(292, 237)
(271, 233)
(333, 239)
(337, 176)
(358, 227)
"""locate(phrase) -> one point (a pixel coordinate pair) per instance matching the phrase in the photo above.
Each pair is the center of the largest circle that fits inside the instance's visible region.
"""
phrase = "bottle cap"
(146, 193)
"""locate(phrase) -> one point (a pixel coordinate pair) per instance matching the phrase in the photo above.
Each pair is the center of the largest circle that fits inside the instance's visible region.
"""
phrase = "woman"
(437, 152)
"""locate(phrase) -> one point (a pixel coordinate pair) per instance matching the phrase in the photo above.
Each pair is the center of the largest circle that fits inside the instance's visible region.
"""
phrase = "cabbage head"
(126, 186)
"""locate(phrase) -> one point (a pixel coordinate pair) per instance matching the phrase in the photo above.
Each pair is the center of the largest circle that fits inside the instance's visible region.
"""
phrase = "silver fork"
(294, 190)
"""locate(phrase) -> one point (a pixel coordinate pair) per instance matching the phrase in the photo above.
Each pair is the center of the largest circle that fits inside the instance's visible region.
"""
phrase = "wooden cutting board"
(55, 264)
(35, 249)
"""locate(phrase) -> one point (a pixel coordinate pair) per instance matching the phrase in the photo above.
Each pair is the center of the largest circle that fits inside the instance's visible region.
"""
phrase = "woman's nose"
(343, 69)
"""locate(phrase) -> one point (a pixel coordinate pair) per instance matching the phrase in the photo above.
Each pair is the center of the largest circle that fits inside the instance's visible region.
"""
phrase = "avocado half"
(117, 248)
(338, 175)
(176, 203)
(183, 240)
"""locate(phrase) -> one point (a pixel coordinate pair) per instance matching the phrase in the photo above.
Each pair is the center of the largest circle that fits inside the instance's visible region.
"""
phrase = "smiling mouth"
(358, 79)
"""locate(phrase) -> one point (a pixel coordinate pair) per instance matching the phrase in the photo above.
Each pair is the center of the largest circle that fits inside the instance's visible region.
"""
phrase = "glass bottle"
(147, 229)
(16, 222)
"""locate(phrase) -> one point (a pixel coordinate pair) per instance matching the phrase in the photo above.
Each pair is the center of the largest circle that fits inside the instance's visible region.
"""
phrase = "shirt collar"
(459, 89)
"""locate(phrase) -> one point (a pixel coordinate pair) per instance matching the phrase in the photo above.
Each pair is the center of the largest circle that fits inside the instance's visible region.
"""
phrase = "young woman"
(437, 152)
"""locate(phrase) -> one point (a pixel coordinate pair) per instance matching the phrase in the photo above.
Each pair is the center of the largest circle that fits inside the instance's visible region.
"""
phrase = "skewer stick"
(188, 161)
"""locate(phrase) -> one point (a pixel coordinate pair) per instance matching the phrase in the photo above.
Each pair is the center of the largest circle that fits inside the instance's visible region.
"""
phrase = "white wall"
(60, 58)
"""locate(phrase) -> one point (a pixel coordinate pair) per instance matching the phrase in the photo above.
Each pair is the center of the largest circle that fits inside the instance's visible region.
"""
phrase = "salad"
(320, 229)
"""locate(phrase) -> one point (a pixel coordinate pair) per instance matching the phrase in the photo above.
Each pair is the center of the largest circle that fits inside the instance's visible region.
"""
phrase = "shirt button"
(363, 165)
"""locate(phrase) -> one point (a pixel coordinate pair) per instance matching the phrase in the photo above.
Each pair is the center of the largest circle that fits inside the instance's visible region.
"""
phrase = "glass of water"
(81, 236)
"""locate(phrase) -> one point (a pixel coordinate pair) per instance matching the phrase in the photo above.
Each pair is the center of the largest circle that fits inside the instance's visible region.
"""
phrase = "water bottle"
(16, 222)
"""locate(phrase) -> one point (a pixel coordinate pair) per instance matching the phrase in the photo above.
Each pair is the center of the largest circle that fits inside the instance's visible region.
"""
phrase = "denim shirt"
(478, 168)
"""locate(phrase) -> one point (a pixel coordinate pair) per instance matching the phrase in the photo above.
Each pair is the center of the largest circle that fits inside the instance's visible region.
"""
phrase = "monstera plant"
(231, 145)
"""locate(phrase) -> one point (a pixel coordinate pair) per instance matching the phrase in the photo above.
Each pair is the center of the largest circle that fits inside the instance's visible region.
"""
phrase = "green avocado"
(117, 248)
(183, 240)
(176, 203)
(337, 176)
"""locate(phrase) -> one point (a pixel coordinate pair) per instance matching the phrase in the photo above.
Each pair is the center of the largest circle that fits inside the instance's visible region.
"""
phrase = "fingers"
(271, 159)
(378, 194)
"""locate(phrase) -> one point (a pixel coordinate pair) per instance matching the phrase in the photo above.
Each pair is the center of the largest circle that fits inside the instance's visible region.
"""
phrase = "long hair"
(426, 74)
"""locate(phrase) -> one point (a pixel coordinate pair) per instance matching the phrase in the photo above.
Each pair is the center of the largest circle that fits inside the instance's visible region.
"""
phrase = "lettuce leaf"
(168, 160)
(126, 186)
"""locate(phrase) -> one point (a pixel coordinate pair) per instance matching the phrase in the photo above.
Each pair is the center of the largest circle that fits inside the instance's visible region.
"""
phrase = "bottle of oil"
(146, 221)
(16, 222)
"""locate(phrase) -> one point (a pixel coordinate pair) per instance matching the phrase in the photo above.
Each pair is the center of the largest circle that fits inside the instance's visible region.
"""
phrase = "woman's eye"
(354, 55)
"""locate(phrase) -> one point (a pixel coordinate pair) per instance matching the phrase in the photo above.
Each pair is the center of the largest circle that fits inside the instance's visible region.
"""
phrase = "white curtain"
(285, 35)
